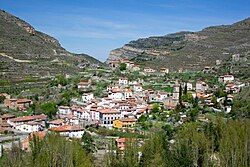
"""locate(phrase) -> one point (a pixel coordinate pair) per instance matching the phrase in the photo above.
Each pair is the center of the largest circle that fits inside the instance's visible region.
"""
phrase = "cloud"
(106, 23)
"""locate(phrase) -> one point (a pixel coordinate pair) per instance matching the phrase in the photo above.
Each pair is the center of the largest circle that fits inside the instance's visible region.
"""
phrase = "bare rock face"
(12, 19)
(188, 50)
(194, 37)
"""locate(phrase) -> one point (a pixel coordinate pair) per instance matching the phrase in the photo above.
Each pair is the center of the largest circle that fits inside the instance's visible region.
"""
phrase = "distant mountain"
(188, 50)
(25, 51)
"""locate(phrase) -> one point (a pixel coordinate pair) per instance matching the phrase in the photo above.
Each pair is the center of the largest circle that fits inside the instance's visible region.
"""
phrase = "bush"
(123, 66)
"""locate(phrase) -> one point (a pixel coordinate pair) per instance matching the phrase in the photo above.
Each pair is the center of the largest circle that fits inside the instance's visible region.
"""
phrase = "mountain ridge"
(24, 51)
(188, 50)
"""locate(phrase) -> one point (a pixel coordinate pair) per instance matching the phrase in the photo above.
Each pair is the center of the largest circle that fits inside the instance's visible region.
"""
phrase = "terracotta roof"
(12, 99)
(128, 120)
(163, 93)
(127, 90)
(81, 110)
(56, 122)
(29, 118)
(69, 116)
(4, 94)
(32, 123)
(138, 84)
(116, 90)
(140, 111)
(4, 116)
(66, 128)
(64, 107)
(24, 101)
(84, 83)
(5, 124)
(228, 75)
(40, 134)
(108, 111)
(121, 140)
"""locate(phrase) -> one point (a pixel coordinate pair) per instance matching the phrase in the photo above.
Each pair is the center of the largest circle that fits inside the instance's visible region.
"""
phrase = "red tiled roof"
(108, 111)
(57, 121)
(24, 101)
(116, 90)
(66, 128)
(29, 118)
(121, 140)
(84, 83)
(4, 116)
(128, 120)
(64, 107)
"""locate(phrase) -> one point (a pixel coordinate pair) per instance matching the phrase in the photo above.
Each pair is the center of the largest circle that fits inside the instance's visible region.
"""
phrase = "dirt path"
(17, 60)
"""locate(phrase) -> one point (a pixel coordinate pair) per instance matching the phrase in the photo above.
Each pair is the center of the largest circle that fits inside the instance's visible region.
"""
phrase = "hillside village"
(117, 101)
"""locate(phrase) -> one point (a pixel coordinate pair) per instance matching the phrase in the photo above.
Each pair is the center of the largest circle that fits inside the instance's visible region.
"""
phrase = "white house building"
(116, 94)
(162, 95)
(128, 93)
(137, 87)
(148, 70)
(64, 110)
(86, 97)
(28, 123)
(123, 81)
(69, 131)
(201, 86)
(164, 70)
(56, 123)
(226, 78)
(189, 86)
(82, 113)
(84, 85)
(107, 116)
(29, 127)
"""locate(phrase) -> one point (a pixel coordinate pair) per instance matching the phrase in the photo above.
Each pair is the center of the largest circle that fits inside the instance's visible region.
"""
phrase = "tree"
(51, 151)
(155, 150)
(156, 108)
(168, 130)
(88, 143)
(142, 118)
(59, 80)
(185, 89)
(123, 66)
(2, 98)
(220, 93)
(49, 108)
(188, 97)
(195, 101)
(241, 105)
(193, 113)
(218, 143)
(180, 94)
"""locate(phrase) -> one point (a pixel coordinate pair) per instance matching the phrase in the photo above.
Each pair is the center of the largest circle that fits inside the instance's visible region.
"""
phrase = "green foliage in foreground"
(195, 144)
(241, 106)
(53, 151)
